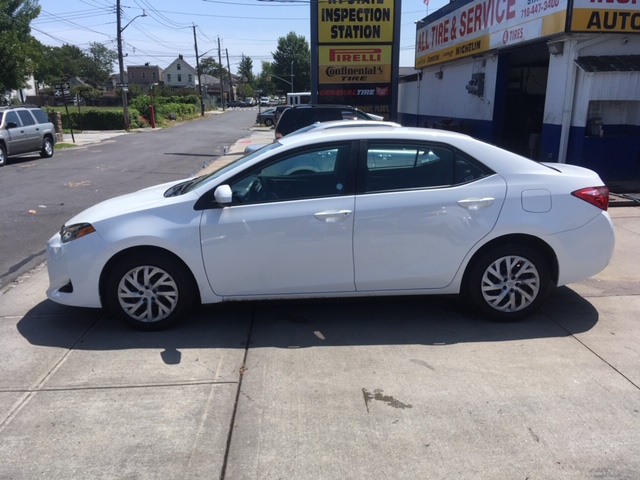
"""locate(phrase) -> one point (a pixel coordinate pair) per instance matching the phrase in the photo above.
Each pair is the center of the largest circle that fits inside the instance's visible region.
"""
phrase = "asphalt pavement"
(379, 388)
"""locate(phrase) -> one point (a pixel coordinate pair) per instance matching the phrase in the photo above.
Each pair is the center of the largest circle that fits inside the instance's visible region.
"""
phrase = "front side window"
(12, 117)
(311, 173)
(392, 166)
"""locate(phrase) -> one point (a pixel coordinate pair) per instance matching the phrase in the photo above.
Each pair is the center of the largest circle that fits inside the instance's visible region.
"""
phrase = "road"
(39, 195)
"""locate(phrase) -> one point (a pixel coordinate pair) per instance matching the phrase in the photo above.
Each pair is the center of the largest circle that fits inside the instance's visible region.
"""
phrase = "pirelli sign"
(358, 64)
(353, 49)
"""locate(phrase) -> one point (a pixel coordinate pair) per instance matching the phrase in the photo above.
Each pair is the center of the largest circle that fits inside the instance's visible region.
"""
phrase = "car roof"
(492, 156)
(345, 123)
(322, 105)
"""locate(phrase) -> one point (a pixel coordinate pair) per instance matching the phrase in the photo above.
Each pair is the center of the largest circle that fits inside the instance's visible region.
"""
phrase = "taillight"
(598, 196)
(278, 135)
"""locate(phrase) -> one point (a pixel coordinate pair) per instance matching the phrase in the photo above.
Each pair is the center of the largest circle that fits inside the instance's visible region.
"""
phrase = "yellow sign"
(355, 64)
(605, 20)
(348, 21)
(472, 47)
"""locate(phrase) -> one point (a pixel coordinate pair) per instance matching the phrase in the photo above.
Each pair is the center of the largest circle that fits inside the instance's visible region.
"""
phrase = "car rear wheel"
(268, 122)
(47, 148)
(3, 155)
(508, 283)
(149, 292)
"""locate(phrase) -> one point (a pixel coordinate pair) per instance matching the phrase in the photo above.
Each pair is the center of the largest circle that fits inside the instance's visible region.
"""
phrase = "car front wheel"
(508, 283)
(268, 122)
(47, 148)
(149, 292)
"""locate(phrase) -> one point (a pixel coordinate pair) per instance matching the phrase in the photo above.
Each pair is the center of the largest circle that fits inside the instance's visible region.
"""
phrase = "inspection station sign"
(355, 52)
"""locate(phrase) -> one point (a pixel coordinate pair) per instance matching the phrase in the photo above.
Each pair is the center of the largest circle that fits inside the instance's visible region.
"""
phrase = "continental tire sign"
(354, 48)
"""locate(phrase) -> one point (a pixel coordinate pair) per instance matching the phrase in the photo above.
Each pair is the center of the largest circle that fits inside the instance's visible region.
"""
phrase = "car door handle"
(476, 203)
(332, 216)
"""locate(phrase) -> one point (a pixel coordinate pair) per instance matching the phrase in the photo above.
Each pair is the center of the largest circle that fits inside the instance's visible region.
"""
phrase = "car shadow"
(23, 158)
(428, 320)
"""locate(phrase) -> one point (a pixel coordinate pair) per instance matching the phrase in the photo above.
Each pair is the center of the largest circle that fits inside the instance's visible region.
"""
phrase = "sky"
(249, 27)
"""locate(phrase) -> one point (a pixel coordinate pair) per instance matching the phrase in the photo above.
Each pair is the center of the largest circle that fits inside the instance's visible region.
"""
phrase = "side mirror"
(223, 194)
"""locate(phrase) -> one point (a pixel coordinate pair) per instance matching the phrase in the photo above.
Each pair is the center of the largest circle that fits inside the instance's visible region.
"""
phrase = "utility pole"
(195, 40)
(124, 87)
(123, 93)
(232, 96)
(221, 75)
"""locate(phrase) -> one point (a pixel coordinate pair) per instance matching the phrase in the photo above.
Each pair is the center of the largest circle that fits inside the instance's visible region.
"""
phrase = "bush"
(95, 119)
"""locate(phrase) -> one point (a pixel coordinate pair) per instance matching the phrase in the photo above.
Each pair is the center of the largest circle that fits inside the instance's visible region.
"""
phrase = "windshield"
(224, 168)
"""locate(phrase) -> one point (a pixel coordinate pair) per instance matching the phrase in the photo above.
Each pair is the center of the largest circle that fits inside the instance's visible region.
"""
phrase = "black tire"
(268, 122)
(149, 292)
(47, 148)
(507, 283)
(3, 155)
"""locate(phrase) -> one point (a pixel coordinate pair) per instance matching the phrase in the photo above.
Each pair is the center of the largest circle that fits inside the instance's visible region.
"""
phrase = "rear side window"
(396, 167)
(26, 118)
(41, 116)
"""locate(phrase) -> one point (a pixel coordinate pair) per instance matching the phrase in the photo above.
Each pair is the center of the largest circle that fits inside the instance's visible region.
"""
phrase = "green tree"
(264, 81)
(245, 69)
(18, 48)
(97, 66)
(292, 55)
(209, 66)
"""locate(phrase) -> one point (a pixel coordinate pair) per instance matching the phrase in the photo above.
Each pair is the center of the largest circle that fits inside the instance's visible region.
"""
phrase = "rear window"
(40, 115)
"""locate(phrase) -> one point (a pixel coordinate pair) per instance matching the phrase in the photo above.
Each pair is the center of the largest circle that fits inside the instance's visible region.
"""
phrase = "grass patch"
(61, 145)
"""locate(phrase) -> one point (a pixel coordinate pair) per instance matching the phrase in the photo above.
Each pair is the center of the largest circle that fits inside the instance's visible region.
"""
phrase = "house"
(179, 74)
(145, 75)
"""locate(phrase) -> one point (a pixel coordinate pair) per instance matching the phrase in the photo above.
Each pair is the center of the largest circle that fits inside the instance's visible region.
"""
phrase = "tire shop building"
(555, 80)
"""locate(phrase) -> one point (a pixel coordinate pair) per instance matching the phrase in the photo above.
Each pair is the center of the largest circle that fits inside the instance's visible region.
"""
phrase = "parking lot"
(404, 387)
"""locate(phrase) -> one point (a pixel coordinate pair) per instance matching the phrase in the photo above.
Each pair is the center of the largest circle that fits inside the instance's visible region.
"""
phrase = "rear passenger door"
(419, 209)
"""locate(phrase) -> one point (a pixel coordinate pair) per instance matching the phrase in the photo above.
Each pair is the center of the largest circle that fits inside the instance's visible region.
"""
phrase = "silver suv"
(25, 129)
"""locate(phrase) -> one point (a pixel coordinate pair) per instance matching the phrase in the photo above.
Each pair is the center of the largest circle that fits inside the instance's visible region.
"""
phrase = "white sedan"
(341, 212)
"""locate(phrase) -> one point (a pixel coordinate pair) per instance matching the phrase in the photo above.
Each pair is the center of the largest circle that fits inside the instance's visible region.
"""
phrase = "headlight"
(71, 232)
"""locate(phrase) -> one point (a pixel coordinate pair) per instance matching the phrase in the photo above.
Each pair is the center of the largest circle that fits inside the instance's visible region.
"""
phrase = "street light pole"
(123, 88)
(291, 76)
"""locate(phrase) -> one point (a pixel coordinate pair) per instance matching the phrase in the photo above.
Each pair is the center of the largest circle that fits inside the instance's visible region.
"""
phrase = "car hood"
(128, 203)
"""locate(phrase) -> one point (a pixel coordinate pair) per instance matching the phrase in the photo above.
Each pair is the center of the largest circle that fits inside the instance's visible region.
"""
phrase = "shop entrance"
(525, 85)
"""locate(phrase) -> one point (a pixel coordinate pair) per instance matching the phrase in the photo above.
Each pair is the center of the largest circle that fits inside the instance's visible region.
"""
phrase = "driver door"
(289, 229)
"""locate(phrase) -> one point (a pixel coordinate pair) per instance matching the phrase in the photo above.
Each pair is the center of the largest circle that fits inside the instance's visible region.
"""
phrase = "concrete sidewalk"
(380, 388)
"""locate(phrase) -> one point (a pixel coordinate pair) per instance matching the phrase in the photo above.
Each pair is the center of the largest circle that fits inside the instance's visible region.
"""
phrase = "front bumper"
(74, 270)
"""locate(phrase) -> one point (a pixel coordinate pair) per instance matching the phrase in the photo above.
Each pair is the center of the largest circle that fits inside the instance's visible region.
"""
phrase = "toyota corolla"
(341, 212)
